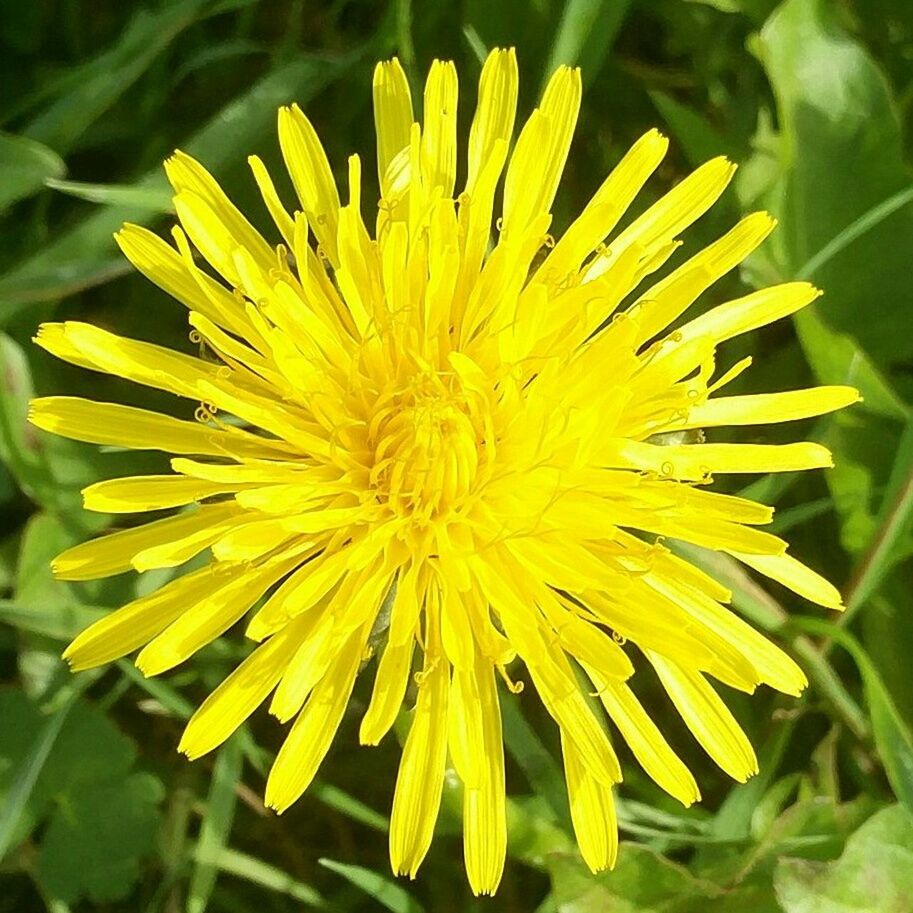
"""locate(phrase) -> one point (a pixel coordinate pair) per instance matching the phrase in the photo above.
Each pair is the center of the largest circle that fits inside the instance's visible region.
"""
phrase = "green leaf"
(875, 871)
(888, 639)
(62, 622)
(866, 222)
(381, 890)
(843, 155)
(86, 254)
(93, 845)
(25, 166)
(351, 807)
(836, 358)
(26, 742)
(216, 825)
(74, 769)
(643, 881)
(893, 737)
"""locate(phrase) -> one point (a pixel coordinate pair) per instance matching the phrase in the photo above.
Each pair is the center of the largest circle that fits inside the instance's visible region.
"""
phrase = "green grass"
(813, 98)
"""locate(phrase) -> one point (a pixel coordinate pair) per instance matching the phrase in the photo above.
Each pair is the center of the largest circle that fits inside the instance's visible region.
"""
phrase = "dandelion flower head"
(447, 452)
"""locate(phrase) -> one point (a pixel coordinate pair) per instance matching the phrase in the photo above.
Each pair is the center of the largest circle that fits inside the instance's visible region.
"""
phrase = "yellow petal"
(696, 461)
(142, 362)
(141, 493)
(773, 666)
(309, 740)
(321, 640)
(139, 621)
(163, 265)
(232, 592)
(236, 698)
(538, 159)
(439, 156)
(796, 576)
(592, 811)
(484, 805)
(650, 748)
(389, 691)
(310, 172)
(420, 779)
(707, 717)
(116, 552)
(766, 408)
(744, 314)
(604, 210)
(139, 429)
(187, 175)
(493, 123)
(660, 224)
(667, 300)
(277, 211)
(392, 114)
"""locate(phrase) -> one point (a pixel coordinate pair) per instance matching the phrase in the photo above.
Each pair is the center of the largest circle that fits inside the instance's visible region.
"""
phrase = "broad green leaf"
(93, 846)
(815, 827)
(73, 769)
(25, 165)
(843, 155)
(382, 890)
(836, 358)
(891, 540)
(888, 639)
(875, 872)
(25, 745)
(643, 881)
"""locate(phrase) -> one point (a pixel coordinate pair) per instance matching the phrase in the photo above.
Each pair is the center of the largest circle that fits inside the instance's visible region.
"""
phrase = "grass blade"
(585, 34)
(216, 826)
(382, 890)
(256, 871)
(86, 255)
(894, 522)
(151, 199)
(866, 222)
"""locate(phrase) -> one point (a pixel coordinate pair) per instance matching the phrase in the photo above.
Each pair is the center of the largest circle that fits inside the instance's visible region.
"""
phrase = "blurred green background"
(813, 97)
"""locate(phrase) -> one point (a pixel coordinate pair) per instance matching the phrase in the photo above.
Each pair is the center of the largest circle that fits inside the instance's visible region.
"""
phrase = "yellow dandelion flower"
(450, 452)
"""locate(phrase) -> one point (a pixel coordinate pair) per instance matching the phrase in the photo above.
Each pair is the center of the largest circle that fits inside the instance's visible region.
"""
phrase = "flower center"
(426, 450)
